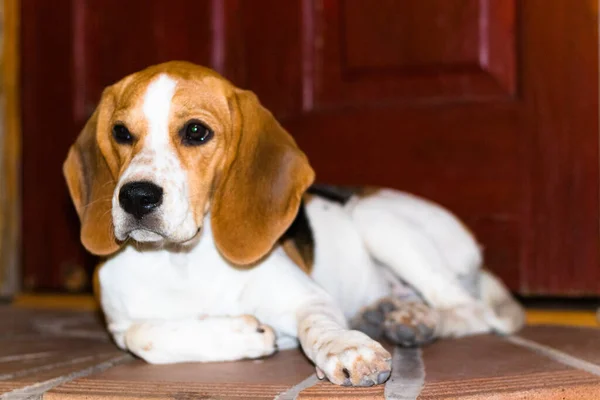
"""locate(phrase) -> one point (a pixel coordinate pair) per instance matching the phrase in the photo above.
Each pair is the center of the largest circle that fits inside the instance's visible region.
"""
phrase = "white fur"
(157, 162)
(428, 247)
(343, 266)
(172, 305)
(153, 300)
(421, 242)
(214, 339)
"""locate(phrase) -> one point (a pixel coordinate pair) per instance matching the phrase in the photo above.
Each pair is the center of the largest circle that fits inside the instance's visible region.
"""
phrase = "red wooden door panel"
(113, 38)
(414, 51)
(489, 107)
(419, 97)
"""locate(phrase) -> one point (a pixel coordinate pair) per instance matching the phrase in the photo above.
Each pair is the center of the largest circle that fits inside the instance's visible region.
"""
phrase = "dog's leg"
(424, 245)
(510, 314)
(411, 254)
(199, 340)
(346, 357)
(287, 299)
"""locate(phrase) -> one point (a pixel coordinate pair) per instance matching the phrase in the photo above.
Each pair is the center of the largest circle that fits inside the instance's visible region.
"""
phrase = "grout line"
(408, 375)
(37, 390)
(43, 368)
(293, 392)
(26, 356)
(555, 355)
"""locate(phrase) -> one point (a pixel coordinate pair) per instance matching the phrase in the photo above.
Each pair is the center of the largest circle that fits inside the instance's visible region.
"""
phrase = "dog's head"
(171, 142)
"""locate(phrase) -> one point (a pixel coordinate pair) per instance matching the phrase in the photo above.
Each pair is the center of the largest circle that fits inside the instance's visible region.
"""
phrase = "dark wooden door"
(489, 107)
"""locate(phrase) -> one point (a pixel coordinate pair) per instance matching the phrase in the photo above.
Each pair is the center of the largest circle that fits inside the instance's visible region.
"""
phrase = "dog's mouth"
(145, 235)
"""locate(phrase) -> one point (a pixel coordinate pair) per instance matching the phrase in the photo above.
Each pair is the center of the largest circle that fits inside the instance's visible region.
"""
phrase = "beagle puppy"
(218, 248)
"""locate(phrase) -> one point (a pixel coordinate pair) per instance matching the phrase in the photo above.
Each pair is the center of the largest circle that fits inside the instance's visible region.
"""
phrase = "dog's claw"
(320, 373)
(383, 376)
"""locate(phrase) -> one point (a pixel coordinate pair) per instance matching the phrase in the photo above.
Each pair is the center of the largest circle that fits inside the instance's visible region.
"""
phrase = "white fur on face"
(157, 163)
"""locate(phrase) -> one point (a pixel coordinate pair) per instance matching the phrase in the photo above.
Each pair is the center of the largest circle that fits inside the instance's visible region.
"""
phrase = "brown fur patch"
(266, 171)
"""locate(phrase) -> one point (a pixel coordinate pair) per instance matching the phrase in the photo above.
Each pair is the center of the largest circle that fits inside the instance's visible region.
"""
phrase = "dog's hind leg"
(403, 317)
(428, 248)
(405, 322)
(510, 315)
(416, 242)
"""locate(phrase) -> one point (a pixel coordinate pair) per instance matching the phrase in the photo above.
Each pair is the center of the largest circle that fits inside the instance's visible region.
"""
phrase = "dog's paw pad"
(411, 324)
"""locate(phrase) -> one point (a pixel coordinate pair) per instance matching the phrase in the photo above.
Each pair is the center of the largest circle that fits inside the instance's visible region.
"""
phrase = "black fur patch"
(300, 231)
(301, 234)
(339, 194)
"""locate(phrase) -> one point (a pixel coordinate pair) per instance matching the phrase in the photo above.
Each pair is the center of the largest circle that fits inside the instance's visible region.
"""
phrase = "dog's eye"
(196, 133)
(122, 134)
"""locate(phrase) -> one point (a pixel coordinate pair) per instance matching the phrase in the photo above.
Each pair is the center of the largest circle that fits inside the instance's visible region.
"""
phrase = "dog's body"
(222, 239)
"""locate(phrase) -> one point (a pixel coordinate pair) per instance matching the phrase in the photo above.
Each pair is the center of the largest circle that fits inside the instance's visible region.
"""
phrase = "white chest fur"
(165, 284)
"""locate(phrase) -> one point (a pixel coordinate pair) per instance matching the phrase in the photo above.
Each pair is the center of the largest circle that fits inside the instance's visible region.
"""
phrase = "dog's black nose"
(140, 198)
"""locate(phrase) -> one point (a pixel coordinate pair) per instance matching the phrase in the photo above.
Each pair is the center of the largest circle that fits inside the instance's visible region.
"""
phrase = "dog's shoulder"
(298, 240)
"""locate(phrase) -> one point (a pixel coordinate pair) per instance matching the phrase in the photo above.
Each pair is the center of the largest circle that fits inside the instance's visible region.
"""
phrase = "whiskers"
(98, 200)
(105, 198)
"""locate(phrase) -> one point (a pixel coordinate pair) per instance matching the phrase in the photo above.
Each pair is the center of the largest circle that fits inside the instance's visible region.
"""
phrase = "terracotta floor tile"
(326, 390)
(249, 379)
(21, 354)
(31, 322)
(39, 346)
(73, 347)
(482, 367)
(583, 343)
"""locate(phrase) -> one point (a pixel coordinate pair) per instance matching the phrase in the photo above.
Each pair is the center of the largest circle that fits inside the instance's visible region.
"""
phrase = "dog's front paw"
(354, 359)
(258, 340)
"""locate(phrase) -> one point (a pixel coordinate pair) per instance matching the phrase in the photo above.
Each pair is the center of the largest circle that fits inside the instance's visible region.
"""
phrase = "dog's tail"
(509, 314)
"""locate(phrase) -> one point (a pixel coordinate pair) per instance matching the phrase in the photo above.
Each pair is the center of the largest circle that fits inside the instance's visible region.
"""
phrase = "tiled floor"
(53, 354)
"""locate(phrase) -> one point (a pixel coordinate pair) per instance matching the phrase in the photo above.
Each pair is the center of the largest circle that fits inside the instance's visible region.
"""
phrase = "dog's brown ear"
(258, 195)
(91, 183)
